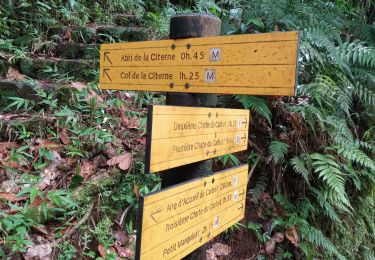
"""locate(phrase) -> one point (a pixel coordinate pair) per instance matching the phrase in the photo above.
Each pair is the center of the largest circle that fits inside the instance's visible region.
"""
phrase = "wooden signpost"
(258, 64)
(177, 220)
(181, 135)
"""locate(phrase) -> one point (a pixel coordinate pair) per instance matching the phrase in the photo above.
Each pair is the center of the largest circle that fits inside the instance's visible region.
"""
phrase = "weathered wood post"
(191, 26)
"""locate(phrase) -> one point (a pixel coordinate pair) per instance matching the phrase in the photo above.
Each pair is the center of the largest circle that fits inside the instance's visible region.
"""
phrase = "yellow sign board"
(263, 64)
(177, 220)
(181, 135)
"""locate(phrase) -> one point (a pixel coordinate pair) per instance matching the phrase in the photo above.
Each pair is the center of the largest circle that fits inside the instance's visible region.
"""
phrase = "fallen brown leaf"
(270, 246)
(210, 255)
(136, 191)
(123, 161)
(10, 186)
(41, 229)
(11, 163)
(43, 143)
(124, 119)
(93, 95)
(278, 237)
(110, 151)
(102, 251)
(78, 85)
(133, 123)
(51, 171)
(4, 146)
(87, 169)
(14, 74)
(11, 197)
(64, 137)
(40, 252)
(121, 237)
(221, 249)
(126, 253)
(292, 236)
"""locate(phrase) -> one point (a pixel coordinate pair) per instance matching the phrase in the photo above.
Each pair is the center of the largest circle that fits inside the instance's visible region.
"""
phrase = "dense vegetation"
(71, 153)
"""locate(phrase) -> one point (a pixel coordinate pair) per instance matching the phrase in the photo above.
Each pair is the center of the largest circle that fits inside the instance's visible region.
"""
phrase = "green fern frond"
(310, 54)
(317, 238)
(356, 156)
(260, 186)
(328, 209)
(285, 203)
(278, 150)
(366, 145)
(259, 105)
(365, 94)
(339, 129)
(307, 249)
(206, 6)
(328, 169)
(355, 53)
(339, 201)
(299, 167)
(323, 37)
(311, 115)
(366, 32)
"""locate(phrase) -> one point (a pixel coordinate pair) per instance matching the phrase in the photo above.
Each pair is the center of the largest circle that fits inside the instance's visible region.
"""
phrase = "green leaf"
(299, 167)
(278, 150)
(33, 193)
(76, 181)
(259, 105)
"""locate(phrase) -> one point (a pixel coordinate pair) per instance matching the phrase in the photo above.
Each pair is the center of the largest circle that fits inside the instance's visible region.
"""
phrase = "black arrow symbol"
(242, 193)
(155, 213)
(241, 208)
(106, 57)
(244, 137)
(105, 73)
(245, 121)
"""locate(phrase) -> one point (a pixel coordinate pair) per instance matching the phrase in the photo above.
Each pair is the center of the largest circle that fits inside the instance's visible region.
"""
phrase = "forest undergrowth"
(71, 155)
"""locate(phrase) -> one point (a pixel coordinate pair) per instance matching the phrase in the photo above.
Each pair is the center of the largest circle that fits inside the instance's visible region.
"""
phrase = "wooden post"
(190, 26)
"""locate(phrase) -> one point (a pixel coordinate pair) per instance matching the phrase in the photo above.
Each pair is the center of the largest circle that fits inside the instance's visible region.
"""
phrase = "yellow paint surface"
(178, 220)
(183, 135)
(261, 64)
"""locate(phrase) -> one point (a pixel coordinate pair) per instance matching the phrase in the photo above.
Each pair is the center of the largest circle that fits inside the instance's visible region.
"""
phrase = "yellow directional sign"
(263, 64)
(181, 135)
(177, 220)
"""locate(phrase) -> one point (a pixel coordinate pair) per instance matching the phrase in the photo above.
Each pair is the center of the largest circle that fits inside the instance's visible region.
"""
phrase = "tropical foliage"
(312, 156)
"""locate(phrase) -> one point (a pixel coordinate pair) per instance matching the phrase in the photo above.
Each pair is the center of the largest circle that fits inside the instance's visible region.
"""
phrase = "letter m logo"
(215, 54)
(210, 75)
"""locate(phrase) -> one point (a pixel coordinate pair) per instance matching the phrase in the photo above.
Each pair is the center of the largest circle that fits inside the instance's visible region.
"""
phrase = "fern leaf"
(299, 167)
(259, 105)
(316, 237)
(278, 150)
(329, 171)
(206, 6)
(328, 209)
(357, 156)
(260, 186)
(366, 95)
